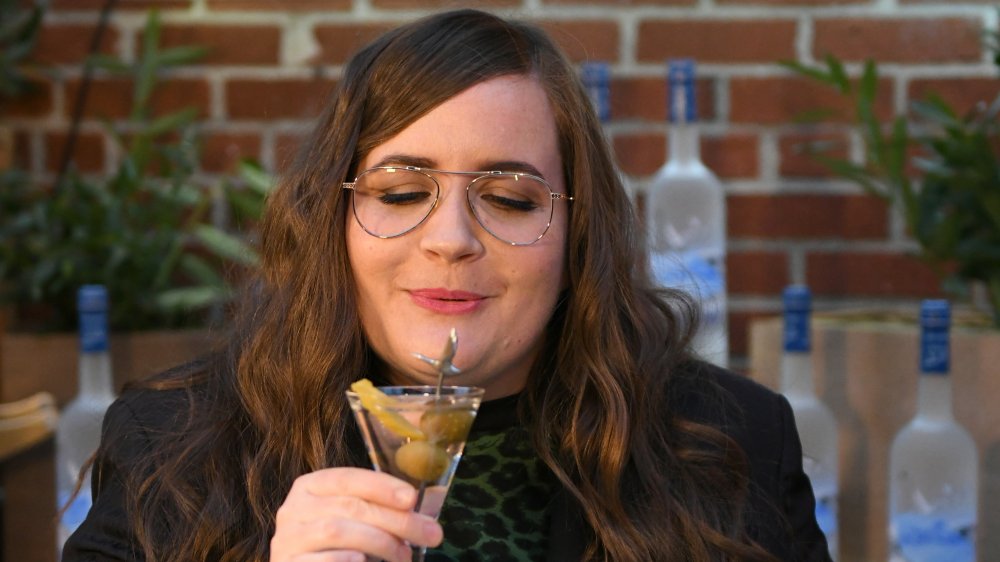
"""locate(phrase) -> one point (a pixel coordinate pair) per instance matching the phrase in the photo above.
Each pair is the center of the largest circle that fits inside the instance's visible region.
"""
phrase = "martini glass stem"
(419, 551)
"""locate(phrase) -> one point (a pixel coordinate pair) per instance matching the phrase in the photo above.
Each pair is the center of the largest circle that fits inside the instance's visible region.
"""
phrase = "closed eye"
(404, 198)
(508, 204)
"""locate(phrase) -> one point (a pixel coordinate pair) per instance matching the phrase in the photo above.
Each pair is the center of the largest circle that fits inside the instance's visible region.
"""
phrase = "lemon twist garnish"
(378, 403)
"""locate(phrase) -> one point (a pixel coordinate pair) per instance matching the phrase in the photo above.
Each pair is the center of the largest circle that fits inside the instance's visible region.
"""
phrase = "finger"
(408, 525)
(337, 535)
(377, 487)
(331, 556)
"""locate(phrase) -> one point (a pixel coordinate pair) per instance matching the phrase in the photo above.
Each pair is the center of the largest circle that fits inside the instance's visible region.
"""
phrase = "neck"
(684, 143)
(796, 374)
(95, 373)
(934, 397)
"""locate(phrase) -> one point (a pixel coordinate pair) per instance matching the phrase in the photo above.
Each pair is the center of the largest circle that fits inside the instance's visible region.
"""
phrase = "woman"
(601, 438)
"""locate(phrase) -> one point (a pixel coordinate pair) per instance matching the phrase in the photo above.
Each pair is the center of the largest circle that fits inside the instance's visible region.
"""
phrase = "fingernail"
(406, 495)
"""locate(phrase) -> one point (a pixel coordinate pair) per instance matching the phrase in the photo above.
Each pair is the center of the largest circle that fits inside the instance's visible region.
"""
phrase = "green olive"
(422, 461)
(446, 426)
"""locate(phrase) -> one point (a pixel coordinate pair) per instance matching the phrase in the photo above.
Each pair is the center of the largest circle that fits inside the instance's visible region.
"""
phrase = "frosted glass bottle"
(933, 465)
(815, 422)
(79, 430)
(686, 218)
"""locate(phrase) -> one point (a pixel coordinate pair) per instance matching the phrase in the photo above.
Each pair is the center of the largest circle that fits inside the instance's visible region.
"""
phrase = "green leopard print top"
(498, 505)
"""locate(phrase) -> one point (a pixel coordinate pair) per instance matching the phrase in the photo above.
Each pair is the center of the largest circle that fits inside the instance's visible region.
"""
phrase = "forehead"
(505, 119)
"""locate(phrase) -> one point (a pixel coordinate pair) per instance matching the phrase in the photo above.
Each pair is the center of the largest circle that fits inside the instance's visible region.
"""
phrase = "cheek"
(364, 253)
(544, 276)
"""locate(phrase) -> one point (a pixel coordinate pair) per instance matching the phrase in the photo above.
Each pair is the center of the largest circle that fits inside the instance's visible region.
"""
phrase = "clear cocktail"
(415, 434)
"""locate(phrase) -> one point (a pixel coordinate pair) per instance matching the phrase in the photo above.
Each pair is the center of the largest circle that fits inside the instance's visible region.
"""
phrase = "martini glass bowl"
(417, 433)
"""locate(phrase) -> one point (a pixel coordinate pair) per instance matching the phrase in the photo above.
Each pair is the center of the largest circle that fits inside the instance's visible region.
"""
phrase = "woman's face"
(449, 272)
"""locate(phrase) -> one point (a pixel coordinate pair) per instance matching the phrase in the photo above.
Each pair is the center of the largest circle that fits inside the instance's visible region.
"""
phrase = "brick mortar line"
(805, 245)
(720, 73)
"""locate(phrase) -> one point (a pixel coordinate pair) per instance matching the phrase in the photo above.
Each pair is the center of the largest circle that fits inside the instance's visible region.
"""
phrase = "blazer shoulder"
(735, 403)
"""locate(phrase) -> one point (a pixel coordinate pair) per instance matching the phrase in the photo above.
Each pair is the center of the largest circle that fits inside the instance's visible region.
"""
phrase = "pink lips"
(444, 301)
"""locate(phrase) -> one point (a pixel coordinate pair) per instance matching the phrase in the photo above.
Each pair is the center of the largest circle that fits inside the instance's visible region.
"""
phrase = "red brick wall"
(788, 220)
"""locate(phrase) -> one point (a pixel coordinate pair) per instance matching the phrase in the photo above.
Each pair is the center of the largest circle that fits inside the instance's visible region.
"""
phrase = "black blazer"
(759, 420)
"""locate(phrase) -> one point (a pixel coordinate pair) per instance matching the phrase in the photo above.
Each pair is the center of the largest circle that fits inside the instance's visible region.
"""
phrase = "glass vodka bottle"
(686, 218)
(79, 431)
(933, 464)
(815, 422)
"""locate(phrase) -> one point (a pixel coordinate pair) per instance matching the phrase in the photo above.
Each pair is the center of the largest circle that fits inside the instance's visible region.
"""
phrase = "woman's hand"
(342, 514)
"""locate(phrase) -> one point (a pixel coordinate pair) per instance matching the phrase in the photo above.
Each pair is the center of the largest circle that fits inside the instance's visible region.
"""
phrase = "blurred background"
(209, 99)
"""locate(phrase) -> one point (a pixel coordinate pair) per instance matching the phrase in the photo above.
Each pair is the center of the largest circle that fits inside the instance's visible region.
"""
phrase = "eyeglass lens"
(390, 202)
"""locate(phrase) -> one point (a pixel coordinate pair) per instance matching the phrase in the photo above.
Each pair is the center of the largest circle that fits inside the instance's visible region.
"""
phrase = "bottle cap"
(92, 298)
(681, 104)
(935, 313)
(797, 298)
(596, 78)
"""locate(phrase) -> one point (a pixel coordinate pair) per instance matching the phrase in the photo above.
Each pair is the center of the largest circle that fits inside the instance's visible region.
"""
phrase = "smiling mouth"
(445, 301)
(447, 294)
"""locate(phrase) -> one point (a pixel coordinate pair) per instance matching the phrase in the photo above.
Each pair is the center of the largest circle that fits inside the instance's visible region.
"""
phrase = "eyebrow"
(487, 166)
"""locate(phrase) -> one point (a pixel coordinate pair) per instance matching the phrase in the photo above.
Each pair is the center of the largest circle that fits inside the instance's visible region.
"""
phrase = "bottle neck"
(934, 396)
(94, 371)
(684, 143)
(94, 376)
(796, 374)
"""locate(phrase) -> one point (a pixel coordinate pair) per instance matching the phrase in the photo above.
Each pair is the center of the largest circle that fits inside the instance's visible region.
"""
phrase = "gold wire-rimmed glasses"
(514, 207)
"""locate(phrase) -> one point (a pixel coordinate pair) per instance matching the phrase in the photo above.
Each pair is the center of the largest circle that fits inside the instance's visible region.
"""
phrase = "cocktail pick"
(444, 366)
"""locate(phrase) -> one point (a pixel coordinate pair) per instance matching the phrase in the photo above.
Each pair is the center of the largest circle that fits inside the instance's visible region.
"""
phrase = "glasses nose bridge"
(462, 184)
(459, 186)
(463, 179)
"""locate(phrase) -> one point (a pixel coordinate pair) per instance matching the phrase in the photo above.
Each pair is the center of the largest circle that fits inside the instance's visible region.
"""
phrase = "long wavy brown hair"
(269, 406)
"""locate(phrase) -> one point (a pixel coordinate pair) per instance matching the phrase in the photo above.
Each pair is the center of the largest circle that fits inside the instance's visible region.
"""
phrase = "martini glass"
(416, 433)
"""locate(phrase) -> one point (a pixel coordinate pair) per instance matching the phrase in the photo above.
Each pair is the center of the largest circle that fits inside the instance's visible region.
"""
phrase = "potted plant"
(941, 172)
(147, 231)
(952, 209)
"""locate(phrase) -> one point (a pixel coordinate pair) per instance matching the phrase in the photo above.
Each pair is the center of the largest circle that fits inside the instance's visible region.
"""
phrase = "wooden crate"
(30, 363)
(866, 372)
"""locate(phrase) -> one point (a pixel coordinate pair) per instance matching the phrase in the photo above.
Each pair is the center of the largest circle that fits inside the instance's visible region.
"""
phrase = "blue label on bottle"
(797, 303)
(76, 511)
(681, 106)
(826, 516)
(935, 354)
(929, 538)
(596, 79)
(93, 332)
(92, 305)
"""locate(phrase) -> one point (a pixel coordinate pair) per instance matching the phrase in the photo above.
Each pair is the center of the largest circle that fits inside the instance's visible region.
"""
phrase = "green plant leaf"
(171, 122)
(201, 271)
(246, 204)
(256, 178)
(179, 56)
(192, 298)
(815, 73)
(147, 67)
(226, 245)
(837, 74)
(858, 174)
(109, 63)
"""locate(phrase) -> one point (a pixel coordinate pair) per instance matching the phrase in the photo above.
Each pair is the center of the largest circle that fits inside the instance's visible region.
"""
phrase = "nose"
(451, 232)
